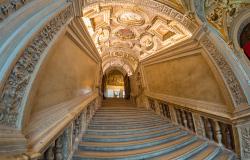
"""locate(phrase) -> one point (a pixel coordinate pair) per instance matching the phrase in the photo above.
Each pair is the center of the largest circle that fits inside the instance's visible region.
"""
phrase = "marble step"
(158, 132)
(126, 132)
(124, 126)
(140, 117)
(127, 123)
(142, 153)
(131, 122)
(131, 137)
(130, 145)
(209, 153)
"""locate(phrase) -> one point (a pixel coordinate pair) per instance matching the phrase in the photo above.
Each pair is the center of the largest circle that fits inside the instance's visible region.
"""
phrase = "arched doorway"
(245, 40)
(116, 85)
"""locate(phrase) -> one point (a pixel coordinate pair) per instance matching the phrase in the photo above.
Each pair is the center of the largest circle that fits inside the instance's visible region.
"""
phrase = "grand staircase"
(119, 130)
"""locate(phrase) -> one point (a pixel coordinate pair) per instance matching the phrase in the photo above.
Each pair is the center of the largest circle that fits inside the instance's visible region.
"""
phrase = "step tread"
(205, 153)
(116, 144)
(99, 154)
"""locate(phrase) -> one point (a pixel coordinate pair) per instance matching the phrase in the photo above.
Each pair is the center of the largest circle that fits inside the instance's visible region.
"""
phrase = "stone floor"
(119, 130)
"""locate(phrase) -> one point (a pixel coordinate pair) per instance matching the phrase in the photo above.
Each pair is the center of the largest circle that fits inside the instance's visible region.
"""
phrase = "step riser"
(127, 124)
(129, 139)
(126, 148)
(123, 126)
(117, 132)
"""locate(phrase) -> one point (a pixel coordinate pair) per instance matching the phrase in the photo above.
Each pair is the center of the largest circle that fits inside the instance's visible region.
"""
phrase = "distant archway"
(113, 83)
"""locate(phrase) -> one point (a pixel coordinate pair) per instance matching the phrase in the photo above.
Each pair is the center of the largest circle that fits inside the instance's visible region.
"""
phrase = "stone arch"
(237, 85)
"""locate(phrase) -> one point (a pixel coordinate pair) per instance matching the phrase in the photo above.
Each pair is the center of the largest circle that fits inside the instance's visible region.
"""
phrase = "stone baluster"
(218, 133)
(190, 121)
(209, 129)
(49, 154)
(203, 126)
(178, 116)
(229, 141)
(184, 119)
(59, 148)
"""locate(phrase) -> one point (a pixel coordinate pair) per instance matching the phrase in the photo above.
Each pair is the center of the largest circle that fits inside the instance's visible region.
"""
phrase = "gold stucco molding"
(163, 9)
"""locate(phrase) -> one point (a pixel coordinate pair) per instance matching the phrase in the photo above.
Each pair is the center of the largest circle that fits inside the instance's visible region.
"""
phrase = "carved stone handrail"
(195, 105)
(215, 128)
(50, 125)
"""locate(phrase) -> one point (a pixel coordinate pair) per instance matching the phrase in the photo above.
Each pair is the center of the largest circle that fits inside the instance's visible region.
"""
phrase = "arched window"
(245, 40)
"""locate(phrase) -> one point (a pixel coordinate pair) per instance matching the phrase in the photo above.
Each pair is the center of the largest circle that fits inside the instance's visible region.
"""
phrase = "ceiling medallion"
(146, 41)
(130, 18)
(125, 34)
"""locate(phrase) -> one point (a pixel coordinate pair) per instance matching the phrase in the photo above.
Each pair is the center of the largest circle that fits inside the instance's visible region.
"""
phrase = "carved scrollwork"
(15, 86)
(10, 6)
(234, 86)
(246, 142)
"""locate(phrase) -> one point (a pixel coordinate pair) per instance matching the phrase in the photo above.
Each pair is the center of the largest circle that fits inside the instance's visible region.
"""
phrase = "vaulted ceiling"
(124, 34)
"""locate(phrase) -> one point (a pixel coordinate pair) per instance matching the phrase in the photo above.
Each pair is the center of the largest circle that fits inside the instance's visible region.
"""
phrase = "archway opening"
(245, 40)
(116, 85)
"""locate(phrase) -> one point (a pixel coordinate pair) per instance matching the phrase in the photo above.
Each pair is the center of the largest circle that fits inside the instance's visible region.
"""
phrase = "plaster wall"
(67, 72)
(186, 77)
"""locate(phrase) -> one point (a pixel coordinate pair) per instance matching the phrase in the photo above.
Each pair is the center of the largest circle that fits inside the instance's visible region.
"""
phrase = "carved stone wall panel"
(229, 76)
(15, 86)
(244, 132)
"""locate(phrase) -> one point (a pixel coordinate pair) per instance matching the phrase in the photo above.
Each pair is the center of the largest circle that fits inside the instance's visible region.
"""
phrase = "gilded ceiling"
(125, 34)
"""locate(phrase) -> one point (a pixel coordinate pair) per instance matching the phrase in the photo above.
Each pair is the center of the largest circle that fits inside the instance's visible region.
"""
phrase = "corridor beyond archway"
(116, 85)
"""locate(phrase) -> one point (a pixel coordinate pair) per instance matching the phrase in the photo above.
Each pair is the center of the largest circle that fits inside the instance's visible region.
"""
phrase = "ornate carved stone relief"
(8, 7)
(15, 85)
(232, 82)
(245, 139)
(220, 14)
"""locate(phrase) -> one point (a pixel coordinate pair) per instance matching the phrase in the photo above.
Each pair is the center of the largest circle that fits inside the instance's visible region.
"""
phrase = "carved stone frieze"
(245, 139)
(8, 7)
(15, 85)
(232, 82)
